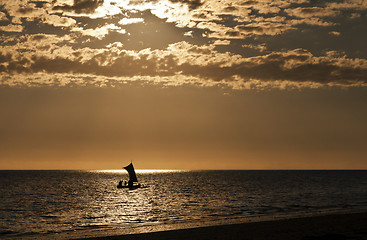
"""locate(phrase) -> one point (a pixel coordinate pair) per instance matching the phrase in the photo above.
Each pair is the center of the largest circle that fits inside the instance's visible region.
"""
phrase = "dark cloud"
(25, 10)
(81, 6)
(250, 28)
(267, 28)
(38, 37)
(123, 65)
(296, 66)
(193, 4)
(101, 45)
(5, 58)
(200, 16)
(249, 3)
(311, 12)
(273, 67)
(230, 9)
(233, 33)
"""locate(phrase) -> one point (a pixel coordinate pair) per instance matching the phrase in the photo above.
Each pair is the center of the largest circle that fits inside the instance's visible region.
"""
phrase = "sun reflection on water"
(81, 201)
(140, 171)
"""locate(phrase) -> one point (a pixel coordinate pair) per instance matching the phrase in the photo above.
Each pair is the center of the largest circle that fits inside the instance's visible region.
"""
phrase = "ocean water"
(35, 203)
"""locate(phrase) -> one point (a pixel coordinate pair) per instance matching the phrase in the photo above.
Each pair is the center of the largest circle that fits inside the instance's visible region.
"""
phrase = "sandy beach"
(332, 227)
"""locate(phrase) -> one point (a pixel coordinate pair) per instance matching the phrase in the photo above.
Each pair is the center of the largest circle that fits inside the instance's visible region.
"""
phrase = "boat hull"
(131, 187)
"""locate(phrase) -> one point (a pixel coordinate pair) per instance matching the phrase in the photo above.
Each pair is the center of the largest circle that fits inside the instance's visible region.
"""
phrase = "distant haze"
(182, 128)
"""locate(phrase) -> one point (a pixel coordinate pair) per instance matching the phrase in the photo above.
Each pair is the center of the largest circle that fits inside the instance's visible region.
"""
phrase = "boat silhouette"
(133, 180)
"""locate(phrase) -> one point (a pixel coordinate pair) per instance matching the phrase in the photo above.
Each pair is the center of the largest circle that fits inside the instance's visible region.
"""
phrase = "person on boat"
(130, 183)
(120, 183)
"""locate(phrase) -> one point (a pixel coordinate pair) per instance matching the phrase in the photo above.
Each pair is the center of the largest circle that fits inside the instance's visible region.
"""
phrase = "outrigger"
(133, 180)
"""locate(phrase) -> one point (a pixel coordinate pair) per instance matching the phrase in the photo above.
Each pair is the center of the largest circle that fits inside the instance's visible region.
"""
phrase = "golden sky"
(183, 84)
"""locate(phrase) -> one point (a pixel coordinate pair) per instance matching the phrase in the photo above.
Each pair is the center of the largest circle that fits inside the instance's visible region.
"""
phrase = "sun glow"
(140, 171)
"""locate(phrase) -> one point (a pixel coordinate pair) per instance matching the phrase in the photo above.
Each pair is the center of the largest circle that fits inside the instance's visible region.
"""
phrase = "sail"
(130, 169)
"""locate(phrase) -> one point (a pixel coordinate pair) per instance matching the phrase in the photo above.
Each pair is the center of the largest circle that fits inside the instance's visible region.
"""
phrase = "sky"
(183, 84)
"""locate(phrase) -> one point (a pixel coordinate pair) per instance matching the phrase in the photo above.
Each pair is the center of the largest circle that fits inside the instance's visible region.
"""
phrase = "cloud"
(84, 41)
(296, 66)
(99, 32)
(221, 42)
(201, 64)
(264, 28)
(3, 17)
(310, 21)
(58, 21)
(127, 21)
(18, 10)
(334, 33)
(193, 4)
(80, 6)
(191, 14)
(31, 11)
(219, 30)
(115, 45)
(189, 34)
(311, 12)
(259, 47)
(348, 4)
(12, 28)
(355, 15)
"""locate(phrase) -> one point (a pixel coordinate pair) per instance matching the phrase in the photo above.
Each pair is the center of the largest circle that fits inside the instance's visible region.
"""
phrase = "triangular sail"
(130, 169)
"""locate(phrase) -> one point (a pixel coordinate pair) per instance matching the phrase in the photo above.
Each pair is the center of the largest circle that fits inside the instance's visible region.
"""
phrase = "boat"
(133, 180)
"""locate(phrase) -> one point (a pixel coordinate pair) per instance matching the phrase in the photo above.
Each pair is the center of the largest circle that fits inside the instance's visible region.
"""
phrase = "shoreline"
(329, 226)
(334, 226)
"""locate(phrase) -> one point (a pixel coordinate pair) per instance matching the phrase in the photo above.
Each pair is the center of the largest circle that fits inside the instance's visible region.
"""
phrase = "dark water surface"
(39, 202)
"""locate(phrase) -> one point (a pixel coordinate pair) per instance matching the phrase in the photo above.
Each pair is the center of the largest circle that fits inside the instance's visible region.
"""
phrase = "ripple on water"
(56, 201)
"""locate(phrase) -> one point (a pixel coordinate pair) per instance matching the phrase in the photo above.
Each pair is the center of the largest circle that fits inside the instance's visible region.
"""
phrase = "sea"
(70, 204)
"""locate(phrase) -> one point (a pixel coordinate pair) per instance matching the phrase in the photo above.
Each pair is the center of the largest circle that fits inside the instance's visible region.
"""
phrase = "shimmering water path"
(43, 202)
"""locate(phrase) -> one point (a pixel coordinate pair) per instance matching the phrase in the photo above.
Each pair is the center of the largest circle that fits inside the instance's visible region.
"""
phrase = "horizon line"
(162, 169)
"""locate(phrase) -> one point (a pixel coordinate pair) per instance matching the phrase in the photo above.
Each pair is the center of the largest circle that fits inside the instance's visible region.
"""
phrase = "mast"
(130, 169)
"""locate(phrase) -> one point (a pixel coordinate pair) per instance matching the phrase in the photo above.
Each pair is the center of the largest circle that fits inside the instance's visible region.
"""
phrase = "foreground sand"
(332, 227)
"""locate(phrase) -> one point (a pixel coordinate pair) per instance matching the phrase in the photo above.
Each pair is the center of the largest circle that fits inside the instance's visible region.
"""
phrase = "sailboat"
(133, 180)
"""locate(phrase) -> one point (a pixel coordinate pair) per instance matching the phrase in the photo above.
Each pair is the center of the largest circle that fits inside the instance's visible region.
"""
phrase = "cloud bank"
(229, 43)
